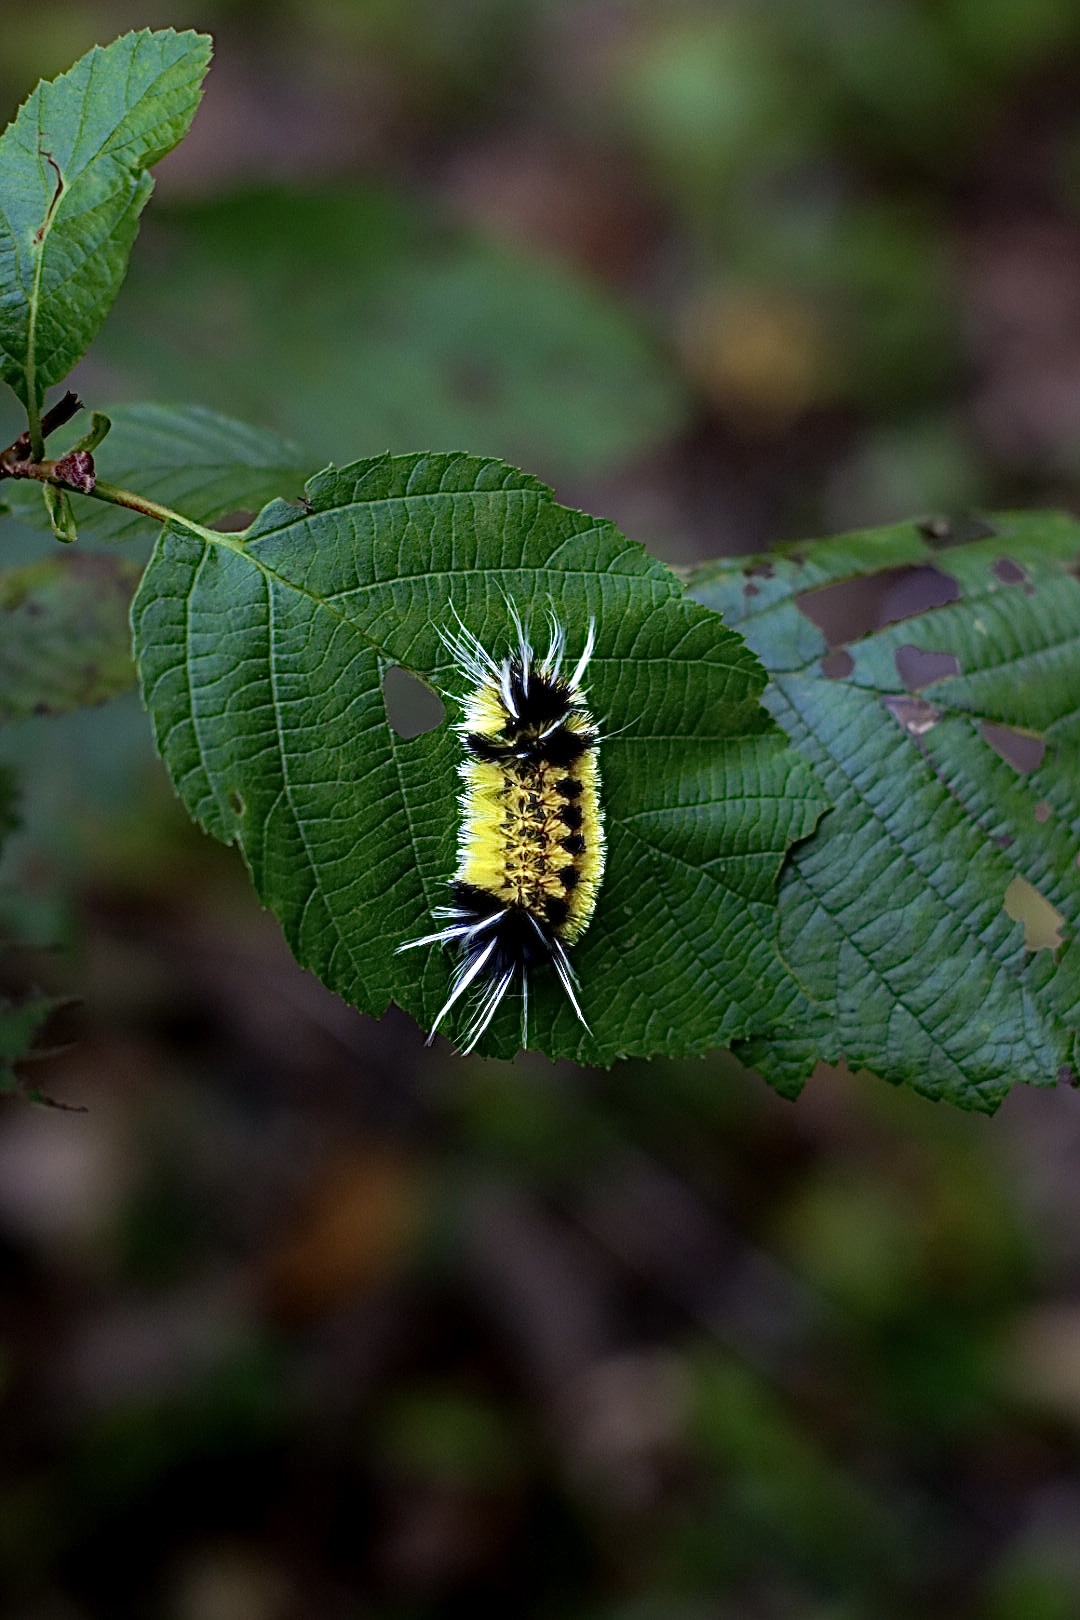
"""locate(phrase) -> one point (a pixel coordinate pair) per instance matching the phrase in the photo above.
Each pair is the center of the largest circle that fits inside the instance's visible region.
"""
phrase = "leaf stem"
(34, 429)
(161, 514)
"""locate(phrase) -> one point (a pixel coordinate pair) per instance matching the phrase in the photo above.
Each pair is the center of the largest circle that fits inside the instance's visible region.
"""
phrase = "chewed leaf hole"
(853, 607)
(837, 666)
(1023, 750)
(958, 530)
(411, 707)
(1008, 572)
(914, 714)
(1042, 811)
(1042, 922)
(917, 668)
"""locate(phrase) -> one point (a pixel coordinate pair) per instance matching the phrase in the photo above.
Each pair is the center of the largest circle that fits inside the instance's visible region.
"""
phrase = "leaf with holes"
(930, 923)
(262, 660)
(73, 182)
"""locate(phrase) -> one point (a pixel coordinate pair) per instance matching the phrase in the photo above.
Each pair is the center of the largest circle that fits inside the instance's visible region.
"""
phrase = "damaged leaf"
(894, 918)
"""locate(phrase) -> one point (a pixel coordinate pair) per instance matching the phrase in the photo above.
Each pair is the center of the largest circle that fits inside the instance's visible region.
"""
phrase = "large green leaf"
(183, 456)
(262, 660)
(73, 182)
(64, 636)
(893, 916)
(363, 324)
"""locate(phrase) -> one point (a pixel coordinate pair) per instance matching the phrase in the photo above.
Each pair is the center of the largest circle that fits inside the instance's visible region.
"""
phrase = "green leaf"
(73, 182)
(262, 660)
(182, 456)
(20, 1025)
(64, 636)
(98, 431)
(899, 917)
(9, 818)
(20, 1022)
(59, 513)
(364, 324)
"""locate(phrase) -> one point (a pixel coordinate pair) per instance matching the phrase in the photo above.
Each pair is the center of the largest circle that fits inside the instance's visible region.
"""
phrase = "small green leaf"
(9, 818)
(20, 1022)
(950, 746)
(262, 659)
(60, 515)
(73, 182)
(100, 428)
(182, 456)
(64, 636)
(20, 1025)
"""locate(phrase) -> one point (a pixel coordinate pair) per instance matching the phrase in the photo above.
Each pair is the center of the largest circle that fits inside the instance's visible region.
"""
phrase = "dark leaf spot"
(411, 707)
(914, 714)
(1021, 749)
(853, 607)
(942, 531)
(1008, 572)
(836, 666)
(917, 668)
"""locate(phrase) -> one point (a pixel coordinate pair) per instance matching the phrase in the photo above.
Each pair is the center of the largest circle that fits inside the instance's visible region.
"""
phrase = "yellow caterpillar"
(531, 839)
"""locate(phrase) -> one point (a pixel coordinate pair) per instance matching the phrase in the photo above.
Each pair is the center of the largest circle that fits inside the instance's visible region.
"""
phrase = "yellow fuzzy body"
(511, 842)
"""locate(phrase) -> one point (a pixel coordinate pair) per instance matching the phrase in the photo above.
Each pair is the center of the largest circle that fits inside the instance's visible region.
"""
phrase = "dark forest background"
(301, 1318)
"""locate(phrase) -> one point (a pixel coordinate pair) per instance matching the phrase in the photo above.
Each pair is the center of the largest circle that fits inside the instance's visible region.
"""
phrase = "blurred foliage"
(302, 1319)
(359, 325)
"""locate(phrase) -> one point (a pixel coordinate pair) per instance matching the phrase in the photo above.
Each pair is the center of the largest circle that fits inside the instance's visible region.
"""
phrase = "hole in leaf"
(918, 668)
(1042, 921)
(1023, 750)
(1042, 811)
(836, 665)
(854, 607)
(1008, 572)
(411, 707)
(750, 589)
(914, 714)
(944, 531)
(236, 802)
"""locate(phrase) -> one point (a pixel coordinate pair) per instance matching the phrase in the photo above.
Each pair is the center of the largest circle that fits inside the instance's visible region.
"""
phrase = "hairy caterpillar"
(531, 837)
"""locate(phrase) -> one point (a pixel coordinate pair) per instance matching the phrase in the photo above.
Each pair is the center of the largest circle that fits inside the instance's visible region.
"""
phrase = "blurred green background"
(303, 1319)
